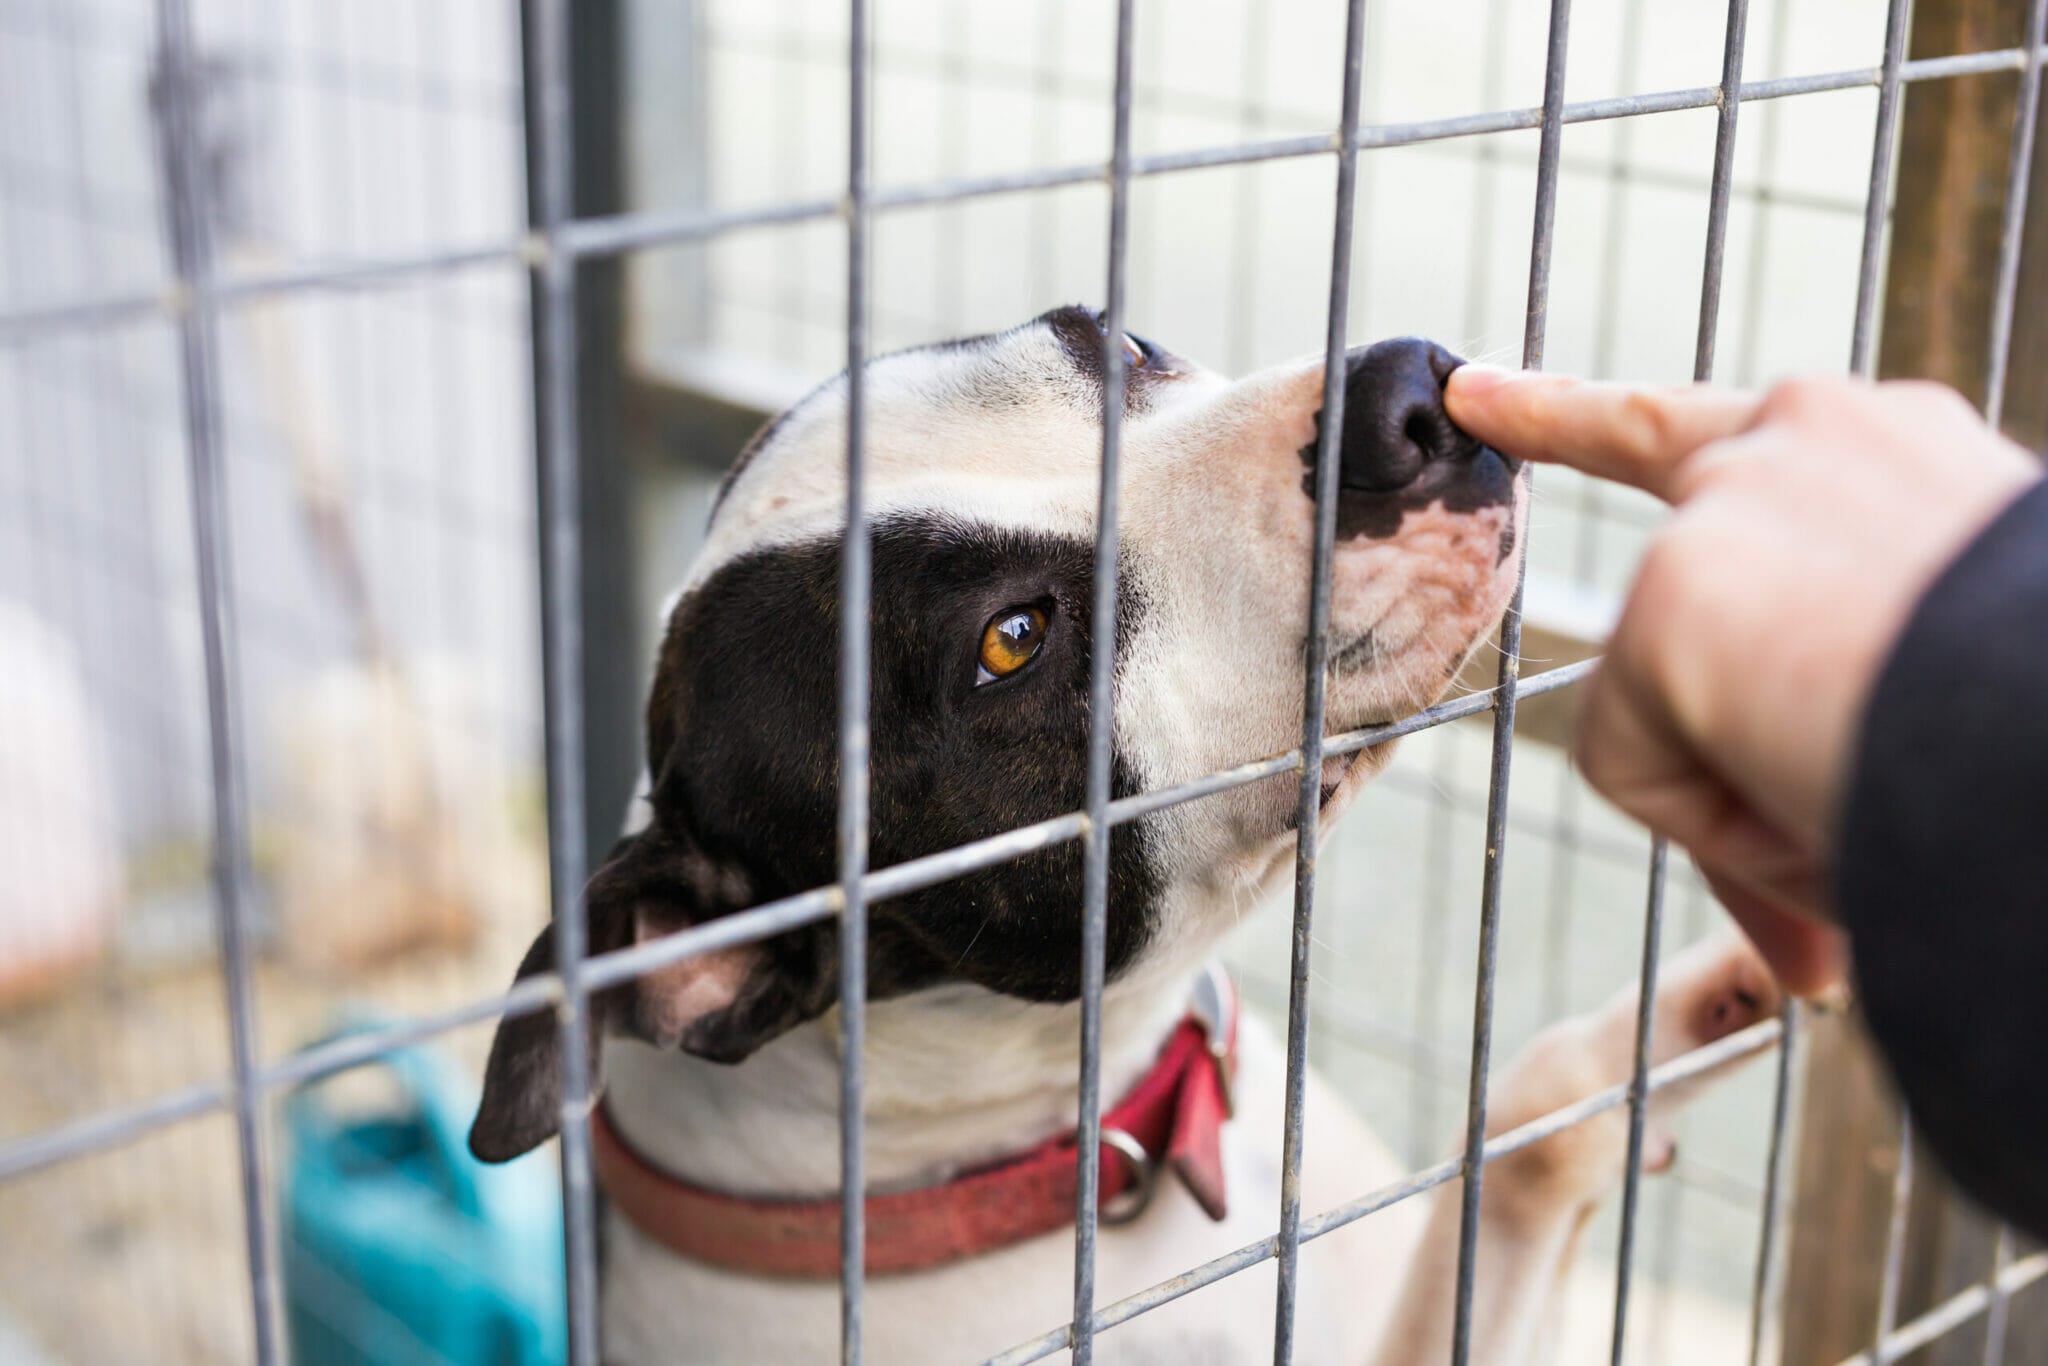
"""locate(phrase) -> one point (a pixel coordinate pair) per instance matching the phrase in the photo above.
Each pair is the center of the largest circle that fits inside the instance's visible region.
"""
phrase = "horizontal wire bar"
(323, 1060)
(108, 1129)
(1741, 1044)
(114, 1128)
(1951, 1314)
(41, 1149)
(614, 234)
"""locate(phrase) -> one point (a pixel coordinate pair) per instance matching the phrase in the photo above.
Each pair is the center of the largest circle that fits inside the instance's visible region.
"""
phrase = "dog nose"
(1395, 426)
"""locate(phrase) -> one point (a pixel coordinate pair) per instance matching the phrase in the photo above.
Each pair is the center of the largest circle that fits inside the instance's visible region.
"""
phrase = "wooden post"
(1949, 202)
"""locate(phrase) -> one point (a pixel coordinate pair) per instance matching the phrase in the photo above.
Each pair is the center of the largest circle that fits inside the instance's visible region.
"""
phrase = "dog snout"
(1395, 426)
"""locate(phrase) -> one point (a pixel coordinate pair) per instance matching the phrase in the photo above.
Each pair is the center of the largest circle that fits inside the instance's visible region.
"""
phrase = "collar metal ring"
(1132, 1200)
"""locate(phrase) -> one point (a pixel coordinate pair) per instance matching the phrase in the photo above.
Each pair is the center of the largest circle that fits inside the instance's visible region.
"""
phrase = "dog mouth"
(1336, 768)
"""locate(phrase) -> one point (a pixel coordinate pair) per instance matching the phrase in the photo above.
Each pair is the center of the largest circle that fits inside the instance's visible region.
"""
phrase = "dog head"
(983, 461)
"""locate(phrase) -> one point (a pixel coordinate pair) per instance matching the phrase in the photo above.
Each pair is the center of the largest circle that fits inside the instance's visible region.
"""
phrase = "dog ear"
(720, 1005)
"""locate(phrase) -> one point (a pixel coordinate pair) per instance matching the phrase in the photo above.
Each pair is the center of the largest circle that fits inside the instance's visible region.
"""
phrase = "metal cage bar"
(555, 288)
(855, 590)
(2004, 294)
(1720, 183)
(1744, 1043)
(1639, 1095)
(1315, 683)
(1101, 706)
(616, 234)
(1876, 203)
(1768, 1287)
(1952, 1313)
(33, 1151)
(2010, 230)
(1535, 324)
(1862, 360)
(199, 373)
(1884, 1349)
(1995, 1307)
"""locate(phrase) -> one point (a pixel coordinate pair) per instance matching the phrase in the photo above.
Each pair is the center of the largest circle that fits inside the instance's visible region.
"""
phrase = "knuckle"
(1804, 398)
(1930, 397)
(1645, 424)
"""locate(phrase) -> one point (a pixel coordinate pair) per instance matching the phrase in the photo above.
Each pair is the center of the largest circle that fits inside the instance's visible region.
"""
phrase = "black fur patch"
(742, 745)
(1080, 333)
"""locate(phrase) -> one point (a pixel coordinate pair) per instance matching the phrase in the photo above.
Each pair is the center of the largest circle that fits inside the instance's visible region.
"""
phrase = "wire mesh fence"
(458, 295)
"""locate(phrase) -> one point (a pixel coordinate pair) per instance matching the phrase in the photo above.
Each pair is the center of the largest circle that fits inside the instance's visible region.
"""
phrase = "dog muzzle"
(1173, 1119)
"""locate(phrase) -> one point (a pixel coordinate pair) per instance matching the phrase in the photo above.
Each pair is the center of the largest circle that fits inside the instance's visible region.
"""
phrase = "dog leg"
(1536, 1201)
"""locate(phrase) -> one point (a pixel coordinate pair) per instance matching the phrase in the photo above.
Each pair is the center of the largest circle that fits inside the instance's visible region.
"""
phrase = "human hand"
(1806, 525)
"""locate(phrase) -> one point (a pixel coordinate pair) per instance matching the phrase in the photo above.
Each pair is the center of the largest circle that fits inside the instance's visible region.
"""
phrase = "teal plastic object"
(399, 1246)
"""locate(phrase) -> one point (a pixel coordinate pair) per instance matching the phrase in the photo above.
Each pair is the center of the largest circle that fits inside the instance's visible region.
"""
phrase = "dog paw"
(1717, 987)
(1711, 990)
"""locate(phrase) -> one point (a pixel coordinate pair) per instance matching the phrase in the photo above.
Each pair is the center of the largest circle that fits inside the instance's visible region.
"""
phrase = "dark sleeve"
(1942, 875)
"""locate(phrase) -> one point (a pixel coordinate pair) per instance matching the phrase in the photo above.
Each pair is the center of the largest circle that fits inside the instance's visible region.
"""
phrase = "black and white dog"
(721, 1072)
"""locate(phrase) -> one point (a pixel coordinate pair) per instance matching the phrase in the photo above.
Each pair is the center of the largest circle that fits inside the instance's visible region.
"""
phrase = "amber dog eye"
(1008, 642)
(1135, 355)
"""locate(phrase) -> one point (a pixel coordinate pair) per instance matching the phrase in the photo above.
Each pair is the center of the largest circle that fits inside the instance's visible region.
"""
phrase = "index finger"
(1636, 434)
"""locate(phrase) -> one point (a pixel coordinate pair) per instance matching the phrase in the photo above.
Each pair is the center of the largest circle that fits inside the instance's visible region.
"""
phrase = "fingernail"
(1475, 378)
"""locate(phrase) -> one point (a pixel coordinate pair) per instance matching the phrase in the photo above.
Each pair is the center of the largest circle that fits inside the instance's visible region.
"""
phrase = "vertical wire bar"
(1434, 955)
(2017, 173)
(2004, 293)
(1101, 710)
(1882, 1350)
(1592, 501)
(1559, 907)
(1877, 203)
(1674, 1202)
(1729, 102)
(1315, 690)
(1771, 130)
(1535, 321)
(1639, 1094)
(1875, 210)
(2001, 1255)
(1486, 180)
(854, 589)
(1252, 124)
(562, 644)
(1768, 1286)
(199, 357)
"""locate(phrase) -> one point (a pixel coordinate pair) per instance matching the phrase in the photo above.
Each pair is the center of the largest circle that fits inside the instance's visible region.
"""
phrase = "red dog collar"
(1174, 1116)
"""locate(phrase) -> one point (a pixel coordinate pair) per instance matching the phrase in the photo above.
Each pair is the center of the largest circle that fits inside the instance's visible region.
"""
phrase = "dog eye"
(1135, 354)
(1008, 642)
